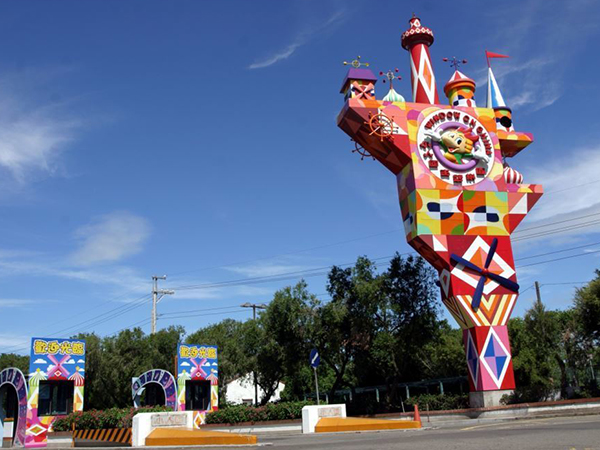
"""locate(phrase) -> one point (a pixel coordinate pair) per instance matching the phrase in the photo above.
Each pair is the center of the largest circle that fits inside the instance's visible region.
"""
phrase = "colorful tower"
(458, 207)
(359, 83)
(496, 102)
(460, 90)
(417, 40)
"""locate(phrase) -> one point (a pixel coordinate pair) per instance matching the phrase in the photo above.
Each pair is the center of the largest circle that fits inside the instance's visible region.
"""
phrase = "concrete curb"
(450, 418)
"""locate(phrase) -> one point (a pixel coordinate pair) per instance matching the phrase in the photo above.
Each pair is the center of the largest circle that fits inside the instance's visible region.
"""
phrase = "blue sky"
(198, 140)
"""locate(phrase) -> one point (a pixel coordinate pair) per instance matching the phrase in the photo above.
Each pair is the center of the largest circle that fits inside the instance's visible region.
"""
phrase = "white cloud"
(301, 39)
(284, 54)
(70, 361)
(558, 179)
(15, 302)
(266, 269)
(40, 361)
(80, 361)
(534, 82)
(570, 204)
(32, 135)
(185, 364)
(12, 343)
(111, 238)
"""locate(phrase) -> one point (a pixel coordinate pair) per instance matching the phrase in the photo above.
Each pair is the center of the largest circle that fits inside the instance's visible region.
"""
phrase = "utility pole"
(254, 307)
(155, 298)
(537, 292)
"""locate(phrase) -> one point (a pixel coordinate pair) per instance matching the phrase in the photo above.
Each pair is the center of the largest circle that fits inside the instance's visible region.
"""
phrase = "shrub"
(102, 419)
(247, 413)
(438, 402)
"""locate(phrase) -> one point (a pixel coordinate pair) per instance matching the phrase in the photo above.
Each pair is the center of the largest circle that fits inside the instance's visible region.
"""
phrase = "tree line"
(378, 328)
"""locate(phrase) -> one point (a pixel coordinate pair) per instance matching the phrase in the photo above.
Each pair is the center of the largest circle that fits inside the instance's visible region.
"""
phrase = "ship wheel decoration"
(485, 275)
(364, 153)
(380, 125)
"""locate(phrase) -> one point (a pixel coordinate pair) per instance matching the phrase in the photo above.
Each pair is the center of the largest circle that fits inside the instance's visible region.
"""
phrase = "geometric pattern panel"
(477, 254)
(493, 310)
(488, 358)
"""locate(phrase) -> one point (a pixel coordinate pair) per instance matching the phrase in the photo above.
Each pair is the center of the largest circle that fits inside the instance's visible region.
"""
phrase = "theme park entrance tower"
(459, 199)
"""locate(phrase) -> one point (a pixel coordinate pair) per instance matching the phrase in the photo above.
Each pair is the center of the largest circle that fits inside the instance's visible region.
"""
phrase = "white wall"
(241, 390)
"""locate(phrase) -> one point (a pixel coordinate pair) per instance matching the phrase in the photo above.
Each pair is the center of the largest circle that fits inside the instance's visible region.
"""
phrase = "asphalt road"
(564, 433)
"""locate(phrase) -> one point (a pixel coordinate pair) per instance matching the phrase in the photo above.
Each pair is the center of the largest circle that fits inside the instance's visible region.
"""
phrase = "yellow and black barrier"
(118, 435)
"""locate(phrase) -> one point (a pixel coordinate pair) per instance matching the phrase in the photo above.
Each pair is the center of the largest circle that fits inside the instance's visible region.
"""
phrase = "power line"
(319, 247)
(111, 314)
(278, 277)
(209, 314)
(116, 312)
(572, 187)
(558, 251)
(199, 310)
(560, 259)
(558, 230)
(556, 223)
(525, 290)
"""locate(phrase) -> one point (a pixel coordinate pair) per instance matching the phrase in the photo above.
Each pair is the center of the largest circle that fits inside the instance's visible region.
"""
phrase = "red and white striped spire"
(417, 40)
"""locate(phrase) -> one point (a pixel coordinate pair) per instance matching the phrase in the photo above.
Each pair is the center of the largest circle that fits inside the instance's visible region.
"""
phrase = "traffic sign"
(315, 359)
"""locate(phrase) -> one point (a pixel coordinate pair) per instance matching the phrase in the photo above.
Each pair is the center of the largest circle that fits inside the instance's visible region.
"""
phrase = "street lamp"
(254, 307)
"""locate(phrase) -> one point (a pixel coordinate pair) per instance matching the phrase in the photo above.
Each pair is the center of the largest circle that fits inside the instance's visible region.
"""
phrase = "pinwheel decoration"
(485, 274)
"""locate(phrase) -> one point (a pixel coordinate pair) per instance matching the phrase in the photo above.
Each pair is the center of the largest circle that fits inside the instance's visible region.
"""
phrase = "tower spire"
(460, 89)
(496, 102)
(417, 40)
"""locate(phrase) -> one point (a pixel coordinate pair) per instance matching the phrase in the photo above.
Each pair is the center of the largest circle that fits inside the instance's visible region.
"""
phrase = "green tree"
(13, 360)
(229, 336)
(406, 321)
(289, 321)
(536, 343)
(95, 384)
(587, 307)
(444, 356)
(343, 327)
(128, 355)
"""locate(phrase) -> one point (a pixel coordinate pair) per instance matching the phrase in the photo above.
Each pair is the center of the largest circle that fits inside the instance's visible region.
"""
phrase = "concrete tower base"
(485, 399)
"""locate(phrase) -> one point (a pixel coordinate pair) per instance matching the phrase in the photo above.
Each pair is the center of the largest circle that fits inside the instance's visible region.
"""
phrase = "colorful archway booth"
(56, 382)
(197, 380)
(15, 378)
(161, 377)
(197, 386)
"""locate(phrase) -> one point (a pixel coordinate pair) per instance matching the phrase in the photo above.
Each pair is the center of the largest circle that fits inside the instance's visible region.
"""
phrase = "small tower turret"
(359, 83)
(460, 89)
(417, 40)
(495, 99)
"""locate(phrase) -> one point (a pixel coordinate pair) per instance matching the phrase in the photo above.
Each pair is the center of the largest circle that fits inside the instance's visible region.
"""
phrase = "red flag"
(489, 55)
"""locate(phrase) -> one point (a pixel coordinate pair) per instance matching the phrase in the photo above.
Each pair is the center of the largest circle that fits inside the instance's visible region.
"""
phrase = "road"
(564, 433)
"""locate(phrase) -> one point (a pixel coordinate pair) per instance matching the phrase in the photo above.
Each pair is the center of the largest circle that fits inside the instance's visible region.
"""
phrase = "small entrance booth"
(56, 383)
(13, 407)
(196, 388)
(197, 380)
(153, 388)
